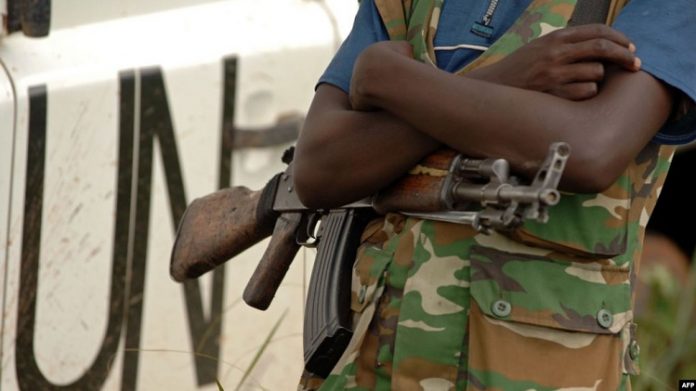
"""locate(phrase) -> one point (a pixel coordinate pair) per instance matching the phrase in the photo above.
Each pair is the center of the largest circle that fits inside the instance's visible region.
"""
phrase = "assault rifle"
(444, 186)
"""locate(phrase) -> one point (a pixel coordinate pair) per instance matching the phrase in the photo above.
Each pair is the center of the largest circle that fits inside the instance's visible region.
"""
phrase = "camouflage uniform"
(441, 307)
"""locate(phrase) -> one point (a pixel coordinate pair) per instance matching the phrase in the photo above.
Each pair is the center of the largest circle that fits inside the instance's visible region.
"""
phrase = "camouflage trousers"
(439, 306)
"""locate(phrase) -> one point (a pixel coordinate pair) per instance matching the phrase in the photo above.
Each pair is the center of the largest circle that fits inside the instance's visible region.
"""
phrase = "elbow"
(306, 182)
(308, 187)
(320, 168)
(313, 185)
(317, 192)
(322, 184)
(593, 168)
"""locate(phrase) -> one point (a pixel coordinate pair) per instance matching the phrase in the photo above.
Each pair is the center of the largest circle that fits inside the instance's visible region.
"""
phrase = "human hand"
(569, 63)
(374, 59)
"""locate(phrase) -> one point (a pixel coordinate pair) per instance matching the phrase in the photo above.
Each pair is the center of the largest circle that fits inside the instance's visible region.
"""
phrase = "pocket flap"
(584, 224)
(536, 289)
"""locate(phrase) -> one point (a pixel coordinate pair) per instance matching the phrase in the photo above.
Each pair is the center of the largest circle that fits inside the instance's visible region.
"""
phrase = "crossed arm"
(399, 110)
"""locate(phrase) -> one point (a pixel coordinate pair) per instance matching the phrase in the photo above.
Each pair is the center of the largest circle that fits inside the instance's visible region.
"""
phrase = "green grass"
(667, 332)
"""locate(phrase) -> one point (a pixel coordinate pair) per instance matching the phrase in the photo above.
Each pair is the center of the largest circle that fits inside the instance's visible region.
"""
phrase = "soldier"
(547, 306)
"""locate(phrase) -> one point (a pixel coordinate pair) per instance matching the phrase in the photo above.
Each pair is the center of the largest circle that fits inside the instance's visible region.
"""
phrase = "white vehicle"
(113, 117)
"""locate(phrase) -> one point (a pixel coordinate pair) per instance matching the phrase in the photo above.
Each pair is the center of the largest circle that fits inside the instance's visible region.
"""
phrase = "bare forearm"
(485, 119)
(344, 155)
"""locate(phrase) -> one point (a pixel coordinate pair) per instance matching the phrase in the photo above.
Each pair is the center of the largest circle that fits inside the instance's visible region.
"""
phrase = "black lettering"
(227, 133)
(155, 121)
(29, 376)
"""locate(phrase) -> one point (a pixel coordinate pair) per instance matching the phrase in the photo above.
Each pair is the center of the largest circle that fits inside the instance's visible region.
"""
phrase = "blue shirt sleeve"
(367, 29)
(664, 33)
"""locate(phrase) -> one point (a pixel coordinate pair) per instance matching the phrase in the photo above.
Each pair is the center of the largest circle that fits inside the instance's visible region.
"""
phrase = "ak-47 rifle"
(444, 186)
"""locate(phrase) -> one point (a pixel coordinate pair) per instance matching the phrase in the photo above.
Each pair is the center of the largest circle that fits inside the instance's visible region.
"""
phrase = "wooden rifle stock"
(216, 228)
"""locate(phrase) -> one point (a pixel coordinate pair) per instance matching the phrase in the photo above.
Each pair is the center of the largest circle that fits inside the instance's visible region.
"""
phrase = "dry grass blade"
(262, 349)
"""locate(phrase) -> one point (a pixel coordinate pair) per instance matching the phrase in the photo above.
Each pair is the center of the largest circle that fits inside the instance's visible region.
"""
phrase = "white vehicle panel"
(118, 125)
(7, 111)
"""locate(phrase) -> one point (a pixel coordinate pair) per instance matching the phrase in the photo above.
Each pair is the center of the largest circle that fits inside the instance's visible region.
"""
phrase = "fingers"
(601, 49)
(597, 42)
(581, 72)
(593, 31)
(576, 91)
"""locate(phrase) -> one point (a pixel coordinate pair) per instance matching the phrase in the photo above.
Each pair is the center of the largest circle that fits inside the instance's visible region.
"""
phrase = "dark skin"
(580, 85)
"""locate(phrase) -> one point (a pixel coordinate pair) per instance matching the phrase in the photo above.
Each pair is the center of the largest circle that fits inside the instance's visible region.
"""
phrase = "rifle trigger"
(308, 235)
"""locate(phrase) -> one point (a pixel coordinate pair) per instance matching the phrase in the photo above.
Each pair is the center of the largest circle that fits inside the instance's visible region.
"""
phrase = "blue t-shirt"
(664, 33)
